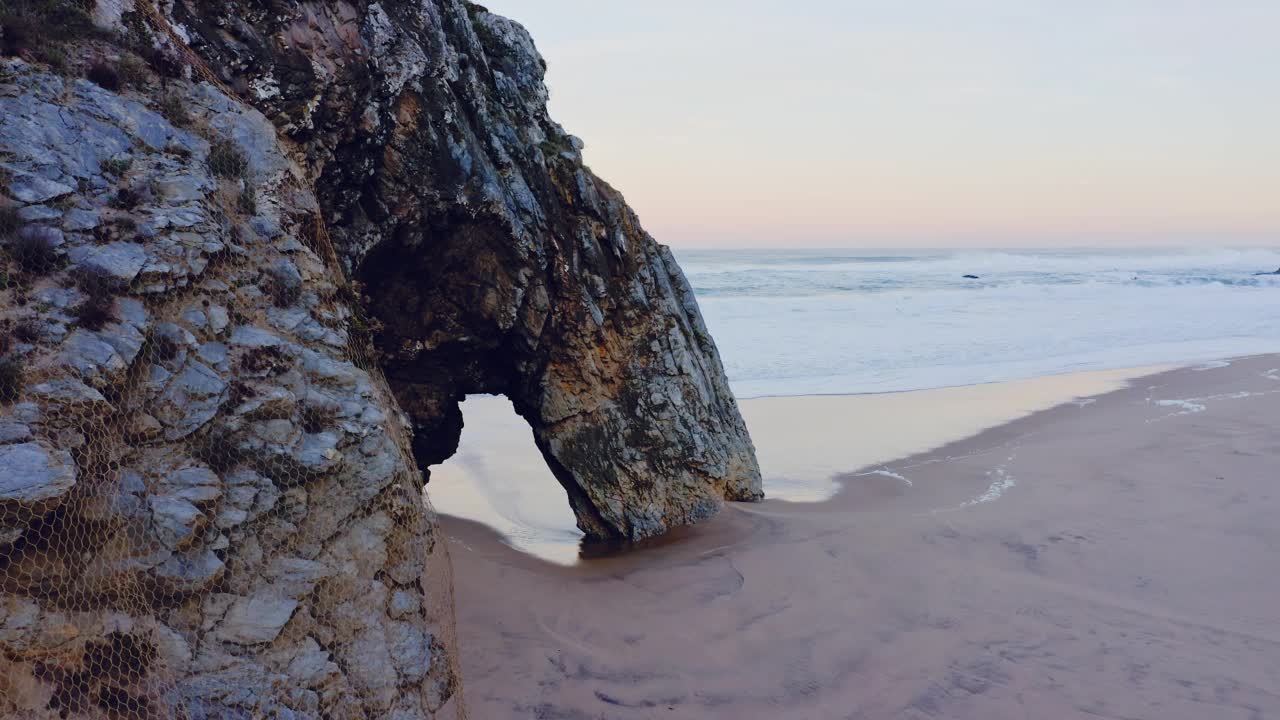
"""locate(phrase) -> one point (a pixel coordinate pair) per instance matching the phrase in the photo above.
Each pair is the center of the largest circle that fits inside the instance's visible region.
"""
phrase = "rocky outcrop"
(255, 254)
(493, 259)
(208, 508)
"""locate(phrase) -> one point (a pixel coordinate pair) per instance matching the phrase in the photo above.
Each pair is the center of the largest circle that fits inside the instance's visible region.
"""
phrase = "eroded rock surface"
(206, 503)
(246, 284)
(494, 259)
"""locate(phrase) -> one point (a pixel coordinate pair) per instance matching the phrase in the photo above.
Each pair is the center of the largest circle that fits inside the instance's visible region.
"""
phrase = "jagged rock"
(544, 287)
(10, 534)
(319, 452)
(128, 335)
(39, 213)
(199, 486)
(296, 577)
(67, 393)
(410, 650)
(119, 261)
(185, 188)
(311, 666)
(404, 604)
(248, 496)
(30, 188)
(34, 475)
(245, 483)
(194, 572)
(253, 620)
(93, 357)
(58, 297)
(78, 219)
(62, 133)
(218, 319)
(269, 403)
(191, 399)
(145, 427)
(176, 520)
(215, 355)
(250, 336)
(13, 431)
(286, 275)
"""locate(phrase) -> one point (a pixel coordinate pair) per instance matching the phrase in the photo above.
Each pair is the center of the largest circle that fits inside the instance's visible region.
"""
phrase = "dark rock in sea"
(1277, 272)
(260, 290)
(971, 277)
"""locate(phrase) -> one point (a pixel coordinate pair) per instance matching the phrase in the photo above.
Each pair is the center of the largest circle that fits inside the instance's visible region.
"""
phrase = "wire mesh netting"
(208, 505)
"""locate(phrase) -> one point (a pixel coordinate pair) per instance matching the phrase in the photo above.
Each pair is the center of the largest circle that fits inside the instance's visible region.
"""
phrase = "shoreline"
(803, 450)
(840, 480)
(897, 600)
(1155, 368)
(499, 478)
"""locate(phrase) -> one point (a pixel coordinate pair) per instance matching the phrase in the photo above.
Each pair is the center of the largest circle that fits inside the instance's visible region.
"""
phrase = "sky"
(930, 123)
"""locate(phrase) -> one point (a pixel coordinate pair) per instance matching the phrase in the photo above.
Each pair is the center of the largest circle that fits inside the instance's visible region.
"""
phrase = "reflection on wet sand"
(1079, 563)
(804, 444)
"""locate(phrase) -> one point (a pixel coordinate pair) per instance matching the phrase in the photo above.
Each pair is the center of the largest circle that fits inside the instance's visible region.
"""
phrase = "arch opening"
(613, 372)
(499, 477)
(453, 321)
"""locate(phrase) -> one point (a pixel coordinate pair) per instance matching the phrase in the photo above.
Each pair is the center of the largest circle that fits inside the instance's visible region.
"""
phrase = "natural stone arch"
(494, 259)
(243, 506)
(602, 352)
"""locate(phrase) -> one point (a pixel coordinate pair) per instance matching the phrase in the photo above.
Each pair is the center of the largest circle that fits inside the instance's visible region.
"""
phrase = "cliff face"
(207, 506)
(250, 267)
(495, 261)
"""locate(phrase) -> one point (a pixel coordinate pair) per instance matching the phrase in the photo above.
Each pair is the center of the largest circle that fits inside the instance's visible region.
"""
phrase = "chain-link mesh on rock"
(208, 508)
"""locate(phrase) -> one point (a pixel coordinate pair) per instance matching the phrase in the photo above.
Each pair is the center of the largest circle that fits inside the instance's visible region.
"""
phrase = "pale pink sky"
(940, 122)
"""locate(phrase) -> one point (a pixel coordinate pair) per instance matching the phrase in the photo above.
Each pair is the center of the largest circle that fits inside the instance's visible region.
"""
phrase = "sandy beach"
(1113, 557)
(498, 476)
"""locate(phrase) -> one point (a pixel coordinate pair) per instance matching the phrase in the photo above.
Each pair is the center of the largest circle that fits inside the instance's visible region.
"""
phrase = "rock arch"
(603, 353)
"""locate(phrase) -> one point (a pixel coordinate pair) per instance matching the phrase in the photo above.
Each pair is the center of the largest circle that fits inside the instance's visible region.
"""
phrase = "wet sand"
(498, 476)
(1115, 559)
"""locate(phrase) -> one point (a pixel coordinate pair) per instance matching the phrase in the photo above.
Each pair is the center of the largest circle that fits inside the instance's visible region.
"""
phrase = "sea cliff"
(255, 254)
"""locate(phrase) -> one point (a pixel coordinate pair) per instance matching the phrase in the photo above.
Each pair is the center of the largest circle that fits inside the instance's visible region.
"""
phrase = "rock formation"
(494, 260)
(254, 255)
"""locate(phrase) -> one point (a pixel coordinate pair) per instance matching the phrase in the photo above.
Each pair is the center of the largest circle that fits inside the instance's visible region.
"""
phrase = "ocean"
(804, 322)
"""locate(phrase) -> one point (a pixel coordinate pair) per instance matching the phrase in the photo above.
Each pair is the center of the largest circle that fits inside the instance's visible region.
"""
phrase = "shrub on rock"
(32, 25)
(104, 74)
(227, 160)
(98, 306)
(132, 72)
(10, 221)
(35, 249)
